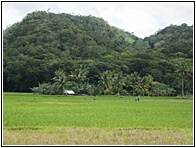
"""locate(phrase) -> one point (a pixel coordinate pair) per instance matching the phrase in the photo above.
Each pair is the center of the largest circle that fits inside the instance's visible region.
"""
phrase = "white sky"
(142, 18)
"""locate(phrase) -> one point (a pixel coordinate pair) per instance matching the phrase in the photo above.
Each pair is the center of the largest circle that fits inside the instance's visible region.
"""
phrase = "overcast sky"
(142, 18)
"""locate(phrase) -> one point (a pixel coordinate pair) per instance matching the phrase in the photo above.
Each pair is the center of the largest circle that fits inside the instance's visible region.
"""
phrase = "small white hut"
(69, 92)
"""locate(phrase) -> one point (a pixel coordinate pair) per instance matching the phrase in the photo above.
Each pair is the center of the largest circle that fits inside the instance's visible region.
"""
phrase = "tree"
(79, 74)
(60, 80)
(46, 88)
(182, 68)
(118, 81)
(105, 81)
(144, 84)
(161, 89)
(135, 78)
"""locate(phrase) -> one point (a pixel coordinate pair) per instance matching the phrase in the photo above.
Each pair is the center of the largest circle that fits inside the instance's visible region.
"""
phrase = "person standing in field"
(94, 96)
(137, 98)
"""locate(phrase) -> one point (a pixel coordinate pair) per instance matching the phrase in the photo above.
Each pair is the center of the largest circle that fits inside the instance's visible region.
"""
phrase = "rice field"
(32, 119)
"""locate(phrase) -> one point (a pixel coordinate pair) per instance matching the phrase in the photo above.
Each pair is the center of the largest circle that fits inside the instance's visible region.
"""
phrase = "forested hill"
(174, 41)
(44, 42)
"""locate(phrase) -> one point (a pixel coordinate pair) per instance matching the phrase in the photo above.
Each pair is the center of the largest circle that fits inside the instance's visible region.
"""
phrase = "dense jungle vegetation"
(47, 53)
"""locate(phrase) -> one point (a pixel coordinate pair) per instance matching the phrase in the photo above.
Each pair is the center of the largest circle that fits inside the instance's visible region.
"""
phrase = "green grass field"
(31, 119)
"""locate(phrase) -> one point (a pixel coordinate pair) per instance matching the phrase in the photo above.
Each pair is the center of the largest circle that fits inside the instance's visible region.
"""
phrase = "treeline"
(44, 43)
(109, 83)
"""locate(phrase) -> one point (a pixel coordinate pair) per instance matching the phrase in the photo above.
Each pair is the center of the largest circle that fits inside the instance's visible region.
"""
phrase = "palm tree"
(118, 81)
(128, 82)
(182, 68)
(79, 75)
(105, 81)
(135, 78)
(60, 80)
(145, 83)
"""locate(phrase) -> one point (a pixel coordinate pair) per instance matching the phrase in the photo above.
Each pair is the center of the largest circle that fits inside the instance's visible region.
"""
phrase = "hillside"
(44, 42)
(173, 41)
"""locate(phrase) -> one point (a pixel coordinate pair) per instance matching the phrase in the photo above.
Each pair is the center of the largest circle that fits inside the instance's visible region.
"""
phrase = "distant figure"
(94, 96)
(126, 100)
(84, 97)
(137, 98)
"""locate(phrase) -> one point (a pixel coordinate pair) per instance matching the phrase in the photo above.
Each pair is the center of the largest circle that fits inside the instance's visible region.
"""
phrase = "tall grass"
(96, 136)
(150, 114)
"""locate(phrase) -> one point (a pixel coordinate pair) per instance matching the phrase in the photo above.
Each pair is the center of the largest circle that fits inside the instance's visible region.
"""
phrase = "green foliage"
(46, 88)
(184, 69)
(161, 89)
(60, 80)
(85, 48)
